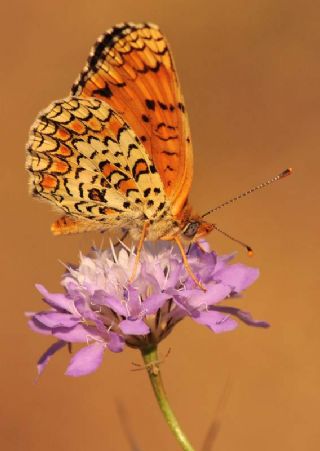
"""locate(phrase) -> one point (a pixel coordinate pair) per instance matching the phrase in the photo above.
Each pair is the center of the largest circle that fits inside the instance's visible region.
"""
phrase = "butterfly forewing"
(131, 68)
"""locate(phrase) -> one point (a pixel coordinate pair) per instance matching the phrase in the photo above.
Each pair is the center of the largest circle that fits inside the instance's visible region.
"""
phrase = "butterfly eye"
(191, 229)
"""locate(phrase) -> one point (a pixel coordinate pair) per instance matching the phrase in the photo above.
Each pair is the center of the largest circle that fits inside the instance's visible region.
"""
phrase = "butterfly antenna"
(249, 249)
(251, 190)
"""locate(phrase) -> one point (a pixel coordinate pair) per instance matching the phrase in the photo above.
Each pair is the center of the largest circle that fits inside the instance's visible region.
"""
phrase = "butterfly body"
(117, 153)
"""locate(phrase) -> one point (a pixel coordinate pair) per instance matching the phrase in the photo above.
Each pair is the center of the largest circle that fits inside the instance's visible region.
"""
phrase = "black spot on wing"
(103, 92)
(150, 104)
(81, 190)
(162, 105)
(169, 153)
(168, 138)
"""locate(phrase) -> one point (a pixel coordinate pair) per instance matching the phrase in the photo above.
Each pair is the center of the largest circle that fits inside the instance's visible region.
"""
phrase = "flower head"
(103, 310)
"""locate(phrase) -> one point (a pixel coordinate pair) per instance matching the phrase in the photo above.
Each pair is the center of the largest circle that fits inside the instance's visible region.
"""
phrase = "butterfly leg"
(186, 264)
(139, 247)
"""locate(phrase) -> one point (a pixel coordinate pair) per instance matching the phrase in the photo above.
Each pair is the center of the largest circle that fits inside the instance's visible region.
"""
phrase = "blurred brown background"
(250, 73)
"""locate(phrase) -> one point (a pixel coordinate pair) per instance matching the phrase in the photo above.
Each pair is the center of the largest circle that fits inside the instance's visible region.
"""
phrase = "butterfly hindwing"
(131, 68)
(85, 158)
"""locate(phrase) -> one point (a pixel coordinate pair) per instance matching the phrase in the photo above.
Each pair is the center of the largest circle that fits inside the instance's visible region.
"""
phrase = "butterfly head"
(192, 226)
(196, 228)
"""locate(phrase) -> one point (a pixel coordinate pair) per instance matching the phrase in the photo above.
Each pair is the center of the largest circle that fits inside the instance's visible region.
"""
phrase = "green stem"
(150, 357)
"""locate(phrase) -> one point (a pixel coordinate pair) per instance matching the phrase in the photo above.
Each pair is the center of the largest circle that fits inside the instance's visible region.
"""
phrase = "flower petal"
(82, 306)
(201, 245)
(56, 300)
(38, 327)
(148, 279)
(154, 302)
(216, 321)
(115, 342)
(134, 302)
(203, 265)
(56, 319)
(216, 292)
(76, 334)
(134, 327)
(237, 276)
(100, 297)
(175, 270)
(246, 317)
(87, 360)
(44, 359)
(223, 260)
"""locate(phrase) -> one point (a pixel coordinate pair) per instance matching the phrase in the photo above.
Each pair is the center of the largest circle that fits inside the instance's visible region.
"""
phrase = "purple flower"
(103, 310)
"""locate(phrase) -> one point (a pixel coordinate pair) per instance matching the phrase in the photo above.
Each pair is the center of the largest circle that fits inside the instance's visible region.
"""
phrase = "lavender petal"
(100, 297)
(115, 343)
(133, 302)
(246, 317)
(216, 321)
(58, 301)
(87, 360)
(237, 276)
(134, 327)
(44, 359)
(216, 292)
(56, 319)
(76, 334)
(152, 304)
(38, 327)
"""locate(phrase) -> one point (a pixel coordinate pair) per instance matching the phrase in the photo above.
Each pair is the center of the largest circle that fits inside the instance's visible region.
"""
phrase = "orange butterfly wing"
(131, 68)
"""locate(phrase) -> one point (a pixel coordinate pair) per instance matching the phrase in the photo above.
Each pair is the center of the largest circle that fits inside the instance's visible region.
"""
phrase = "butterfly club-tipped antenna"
(249, 248)
(280, 176)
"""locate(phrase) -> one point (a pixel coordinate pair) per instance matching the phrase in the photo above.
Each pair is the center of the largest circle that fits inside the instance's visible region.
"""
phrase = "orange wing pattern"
(131, 68)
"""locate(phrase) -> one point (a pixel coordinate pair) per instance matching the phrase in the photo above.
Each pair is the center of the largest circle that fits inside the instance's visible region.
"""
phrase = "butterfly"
(117, 151)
